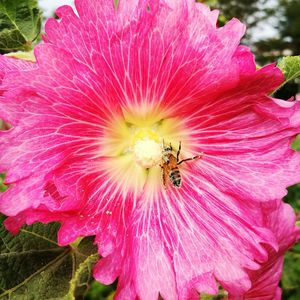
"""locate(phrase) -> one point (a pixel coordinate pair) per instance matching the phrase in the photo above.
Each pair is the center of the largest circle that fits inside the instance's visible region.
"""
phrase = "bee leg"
(163, 176)
(178, 152)
(191, 158)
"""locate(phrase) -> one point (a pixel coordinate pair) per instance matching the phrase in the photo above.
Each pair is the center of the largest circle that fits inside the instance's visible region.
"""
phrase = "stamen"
(147, 148)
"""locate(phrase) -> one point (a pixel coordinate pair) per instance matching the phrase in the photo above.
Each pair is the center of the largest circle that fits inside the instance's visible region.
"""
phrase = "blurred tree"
(242, 9)
(288, 40)
(290, 25)
(250, 12)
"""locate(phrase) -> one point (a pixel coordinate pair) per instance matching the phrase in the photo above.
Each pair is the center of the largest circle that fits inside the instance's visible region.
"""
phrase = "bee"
(170, 165)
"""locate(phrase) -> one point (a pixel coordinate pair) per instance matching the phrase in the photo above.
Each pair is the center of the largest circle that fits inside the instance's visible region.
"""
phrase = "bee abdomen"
(175, 177)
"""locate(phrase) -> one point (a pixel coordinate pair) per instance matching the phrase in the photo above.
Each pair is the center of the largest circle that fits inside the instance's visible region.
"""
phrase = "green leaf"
(100, 291)
(291, 274)
(296, 143)
(222, 294)
(20, 24)
(3, 187)
(33, 266)
(290, 67)
(25, 55)
(293, 197)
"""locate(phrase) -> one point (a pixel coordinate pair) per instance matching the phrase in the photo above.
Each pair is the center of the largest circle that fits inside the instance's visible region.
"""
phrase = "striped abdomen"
(175, 177)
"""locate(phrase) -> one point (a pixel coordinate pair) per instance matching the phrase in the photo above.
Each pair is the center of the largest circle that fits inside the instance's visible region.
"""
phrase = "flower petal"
(247, 134)
(151, 48)
(280, 218)
(180, 236)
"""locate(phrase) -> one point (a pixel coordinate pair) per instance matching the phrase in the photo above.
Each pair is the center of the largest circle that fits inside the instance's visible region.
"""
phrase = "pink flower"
(280, 218)
(89, 118)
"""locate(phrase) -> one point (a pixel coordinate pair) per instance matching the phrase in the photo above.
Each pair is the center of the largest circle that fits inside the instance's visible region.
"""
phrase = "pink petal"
(187, 236)
(248, 135)
(280, 218)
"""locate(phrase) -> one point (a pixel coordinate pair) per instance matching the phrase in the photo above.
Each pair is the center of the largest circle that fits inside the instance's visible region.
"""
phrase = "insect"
(170, 165)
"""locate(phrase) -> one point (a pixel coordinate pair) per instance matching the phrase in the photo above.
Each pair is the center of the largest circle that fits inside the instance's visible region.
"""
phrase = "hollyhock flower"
(110, 87)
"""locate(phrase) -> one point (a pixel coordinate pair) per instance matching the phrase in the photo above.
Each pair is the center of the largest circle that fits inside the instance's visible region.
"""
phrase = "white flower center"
(147, 152)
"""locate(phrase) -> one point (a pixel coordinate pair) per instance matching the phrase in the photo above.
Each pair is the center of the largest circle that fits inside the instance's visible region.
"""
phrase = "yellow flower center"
(133, 146)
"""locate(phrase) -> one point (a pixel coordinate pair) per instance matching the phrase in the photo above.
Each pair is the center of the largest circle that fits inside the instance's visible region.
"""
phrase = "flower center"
(147, 148)
(132, 147)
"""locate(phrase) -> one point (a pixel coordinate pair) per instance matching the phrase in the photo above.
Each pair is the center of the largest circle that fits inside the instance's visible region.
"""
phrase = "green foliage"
(290, 25)
(20, 24)
(291, 274)
(290, 281)
(296, 143)
(25, 55)
(100, 292)
(222, 294)
(3, 187)
(290, 66)
(293, 197)
(33, 266)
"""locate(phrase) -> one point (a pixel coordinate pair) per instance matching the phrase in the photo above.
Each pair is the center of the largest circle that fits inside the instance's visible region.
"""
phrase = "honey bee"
(170, 165)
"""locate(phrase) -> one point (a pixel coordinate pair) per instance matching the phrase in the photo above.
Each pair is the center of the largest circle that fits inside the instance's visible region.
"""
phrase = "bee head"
(166, 148)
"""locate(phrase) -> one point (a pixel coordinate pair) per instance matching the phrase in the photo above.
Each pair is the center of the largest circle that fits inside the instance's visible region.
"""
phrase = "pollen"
(147, 148)
(147, 153)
